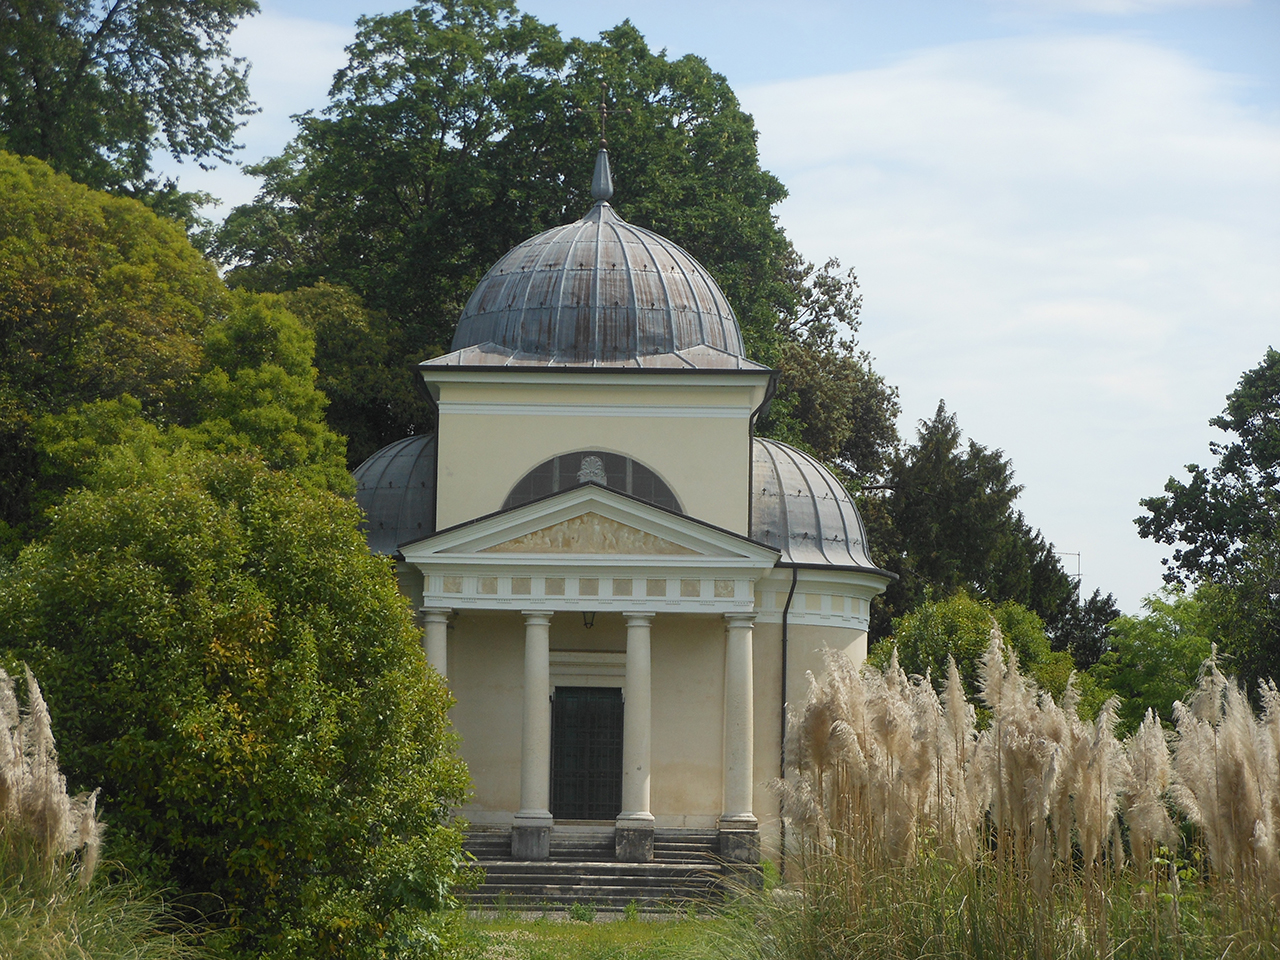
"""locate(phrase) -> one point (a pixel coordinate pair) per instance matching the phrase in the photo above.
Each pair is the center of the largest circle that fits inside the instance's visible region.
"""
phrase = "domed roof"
(600, 291)
(799, 508)
(396, 488)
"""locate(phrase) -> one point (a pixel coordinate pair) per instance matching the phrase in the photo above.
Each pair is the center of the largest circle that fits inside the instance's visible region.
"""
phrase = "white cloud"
(1073, 240)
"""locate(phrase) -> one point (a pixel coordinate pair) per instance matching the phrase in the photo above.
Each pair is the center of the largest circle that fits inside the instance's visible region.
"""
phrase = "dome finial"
(602, 179)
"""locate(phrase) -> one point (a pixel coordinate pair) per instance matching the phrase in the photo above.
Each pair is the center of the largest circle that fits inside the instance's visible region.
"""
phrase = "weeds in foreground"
(644, 939)
(50, 905)
(1041, 836)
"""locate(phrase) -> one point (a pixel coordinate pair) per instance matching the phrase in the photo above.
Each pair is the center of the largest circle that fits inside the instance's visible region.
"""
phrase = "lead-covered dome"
(396, 489)
(799, 508)
(600, 291)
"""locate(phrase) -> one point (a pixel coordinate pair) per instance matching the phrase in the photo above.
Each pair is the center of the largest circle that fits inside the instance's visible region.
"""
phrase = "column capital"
(736, 619)
(636, 618)
(436, 614)
(538, 617)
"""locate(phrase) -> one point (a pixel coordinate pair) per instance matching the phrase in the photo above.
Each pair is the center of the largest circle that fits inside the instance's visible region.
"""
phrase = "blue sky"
(1065, 214)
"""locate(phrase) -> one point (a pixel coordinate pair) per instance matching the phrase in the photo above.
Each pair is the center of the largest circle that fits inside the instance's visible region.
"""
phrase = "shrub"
(246, 684)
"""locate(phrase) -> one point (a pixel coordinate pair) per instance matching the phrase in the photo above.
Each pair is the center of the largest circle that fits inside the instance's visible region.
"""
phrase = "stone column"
(738, 829)
(435, 637)
(633, 833)
(531, 832)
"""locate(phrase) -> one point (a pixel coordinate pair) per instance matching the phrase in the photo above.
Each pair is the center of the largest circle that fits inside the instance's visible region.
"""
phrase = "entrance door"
(586, 753)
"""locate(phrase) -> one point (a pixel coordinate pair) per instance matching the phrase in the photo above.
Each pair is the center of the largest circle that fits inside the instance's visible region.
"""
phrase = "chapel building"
(622, 585)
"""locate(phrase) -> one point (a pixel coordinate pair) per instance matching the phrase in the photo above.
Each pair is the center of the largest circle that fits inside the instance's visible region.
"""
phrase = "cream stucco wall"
(688, 429)
(486, 664)
(806, 653)
(486, 658)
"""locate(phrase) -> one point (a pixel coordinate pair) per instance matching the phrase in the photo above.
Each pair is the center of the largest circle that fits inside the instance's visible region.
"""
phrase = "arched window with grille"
(611, 470)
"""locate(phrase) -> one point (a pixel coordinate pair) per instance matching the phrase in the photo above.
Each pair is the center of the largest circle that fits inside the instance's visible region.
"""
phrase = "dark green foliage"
(960, 627)
(98, 298)
(457, 131)
(1245, 608)
(1154, 659)
(829, 400)
(94, 86)
(259, 394)
(1217, 510)
(1084, 629)
(1226, 523)
(949, 523)
(241, 677)
(371, 395)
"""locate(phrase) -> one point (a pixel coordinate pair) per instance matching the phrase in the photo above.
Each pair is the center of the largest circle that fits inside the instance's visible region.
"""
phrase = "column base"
(633, 842)
(739, 840)
(531, 841)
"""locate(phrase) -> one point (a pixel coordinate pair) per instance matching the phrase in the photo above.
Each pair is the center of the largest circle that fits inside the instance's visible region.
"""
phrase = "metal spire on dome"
(602, 178)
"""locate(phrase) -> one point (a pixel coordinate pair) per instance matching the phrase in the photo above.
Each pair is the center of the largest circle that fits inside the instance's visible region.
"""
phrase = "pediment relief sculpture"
(591, 533)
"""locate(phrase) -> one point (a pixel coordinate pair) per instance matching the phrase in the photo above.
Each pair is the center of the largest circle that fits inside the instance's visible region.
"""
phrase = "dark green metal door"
(586, 753)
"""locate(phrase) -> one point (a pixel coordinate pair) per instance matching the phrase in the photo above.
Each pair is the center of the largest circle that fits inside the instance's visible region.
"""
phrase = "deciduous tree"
(458, 130)
(1154, 658)
(1210, 516)
(94, 87)
(98, 298)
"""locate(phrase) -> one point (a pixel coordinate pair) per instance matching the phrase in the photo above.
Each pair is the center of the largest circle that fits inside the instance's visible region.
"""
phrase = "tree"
(357, 368)
(245, 683)
(458, 130)
(1244, 606)
(258, 394)
(960, 628)
(829, 400)
(1212, 515)
(949, 523)
(1154, 659)
(110, 319)
(98, 298)
(93, 87)
(1084, 629)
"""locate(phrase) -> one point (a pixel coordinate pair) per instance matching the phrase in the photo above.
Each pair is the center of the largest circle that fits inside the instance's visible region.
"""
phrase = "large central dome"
(600, 291)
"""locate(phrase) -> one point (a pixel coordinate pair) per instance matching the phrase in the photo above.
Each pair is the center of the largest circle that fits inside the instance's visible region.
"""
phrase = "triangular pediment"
(589, 524)
(590, 533)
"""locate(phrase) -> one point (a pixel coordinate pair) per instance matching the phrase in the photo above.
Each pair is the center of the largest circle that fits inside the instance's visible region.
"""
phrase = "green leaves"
(93, 88)
(246, 683)
(1154, 658)
(98, 298)
(1211, 515)
(458, 130)
(951, 523)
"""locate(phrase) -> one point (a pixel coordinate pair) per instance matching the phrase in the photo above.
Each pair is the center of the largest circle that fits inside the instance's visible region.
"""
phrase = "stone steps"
(610, 885)
(582, 869)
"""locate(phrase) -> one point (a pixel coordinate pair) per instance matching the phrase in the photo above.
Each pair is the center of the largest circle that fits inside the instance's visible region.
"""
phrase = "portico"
(593, 551)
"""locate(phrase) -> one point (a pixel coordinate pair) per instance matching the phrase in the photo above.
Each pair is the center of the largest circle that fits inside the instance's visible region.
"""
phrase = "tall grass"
(1040, 835)
(50, 906)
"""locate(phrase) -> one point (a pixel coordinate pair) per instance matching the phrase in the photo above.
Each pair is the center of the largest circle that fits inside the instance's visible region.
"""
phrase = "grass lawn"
(556, 937)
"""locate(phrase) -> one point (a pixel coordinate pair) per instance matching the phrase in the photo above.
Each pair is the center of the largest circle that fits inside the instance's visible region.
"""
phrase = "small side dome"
(801, 509)
(600, 291)
(396, 488)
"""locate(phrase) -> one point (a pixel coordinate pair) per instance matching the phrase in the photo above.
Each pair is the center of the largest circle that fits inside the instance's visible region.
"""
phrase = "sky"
(1064, 214)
